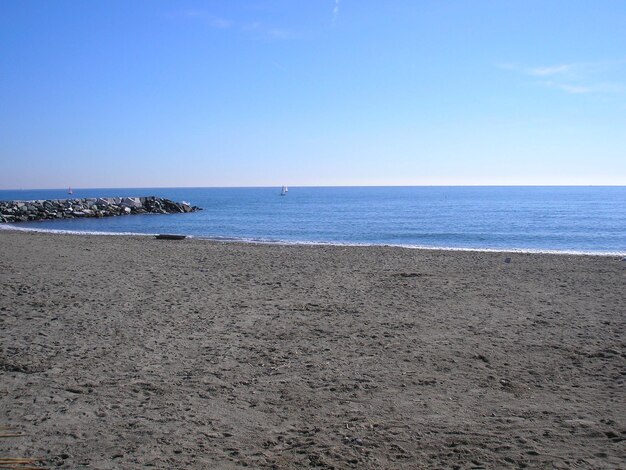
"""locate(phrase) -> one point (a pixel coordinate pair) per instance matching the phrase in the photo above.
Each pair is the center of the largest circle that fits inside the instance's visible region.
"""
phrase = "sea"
(570, 219)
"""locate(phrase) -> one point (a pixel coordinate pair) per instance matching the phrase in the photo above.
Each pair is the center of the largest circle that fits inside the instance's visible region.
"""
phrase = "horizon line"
(334, 186)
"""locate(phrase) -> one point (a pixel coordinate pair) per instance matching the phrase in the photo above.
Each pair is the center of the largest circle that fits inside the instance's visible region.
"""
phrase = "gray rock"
(131, 202)
(20, 211)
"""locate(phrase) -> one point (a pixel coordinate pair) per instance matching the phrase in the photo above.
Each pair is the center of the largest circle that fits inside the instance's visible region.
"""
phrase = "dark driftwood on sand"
(168, 236)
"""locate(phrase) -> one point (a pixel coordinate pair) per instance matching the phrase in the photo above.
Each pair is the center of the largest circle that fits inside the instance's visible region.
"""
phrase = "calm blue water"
(588, 219)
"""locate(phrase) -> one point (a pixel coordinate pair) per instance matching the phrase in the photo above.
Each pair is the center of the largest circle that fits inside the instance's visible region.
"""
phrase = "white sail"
(283, 191)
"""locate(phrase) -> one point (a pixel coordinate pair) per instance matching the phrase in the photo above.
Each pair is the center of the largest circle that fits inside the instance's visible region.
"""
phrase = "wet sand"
(130, 352)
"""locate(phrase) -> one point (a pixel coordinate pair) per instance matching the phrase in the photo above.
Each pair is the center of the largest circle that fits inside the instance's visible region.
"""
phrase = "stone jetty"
(24, 211)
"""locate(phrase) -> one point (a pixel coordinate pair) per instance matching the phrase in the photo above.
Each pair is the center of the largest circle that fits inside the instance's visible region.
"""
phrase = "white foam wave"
(416, 247)
(261, 241)
(69, 232)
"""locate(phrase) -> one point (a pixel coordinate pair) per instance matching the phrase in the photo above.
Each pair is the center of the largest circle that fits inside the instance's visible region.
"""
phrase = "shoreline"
(127, 352)
(610, 254)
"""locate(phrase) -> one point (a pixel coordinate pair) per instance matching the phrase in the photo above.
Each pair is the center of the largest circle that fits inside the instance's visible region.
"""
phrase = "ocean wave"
(413, 246)
(71, 232)
(266, 241)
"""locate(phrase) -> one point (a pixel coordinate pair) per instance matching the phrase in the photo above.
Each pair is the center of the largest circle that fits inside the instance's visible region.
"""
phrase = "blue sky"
(318, 92)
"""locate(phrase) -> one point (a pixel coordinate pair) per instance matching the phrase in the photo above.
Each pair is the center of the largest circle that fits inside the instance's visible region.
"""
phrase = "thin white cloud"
(575, 78)
(204, 16)
(573, 89)
(542, 71)
(261, 30)
(221, 23)
(551, 70)
(336, 11)
(580, 89)
(192, 13)
(255, 29)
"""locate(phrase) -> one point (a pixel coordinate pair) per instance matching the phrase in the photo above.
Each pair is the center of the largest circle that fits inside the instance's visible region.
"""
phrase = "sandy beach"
(131, 352)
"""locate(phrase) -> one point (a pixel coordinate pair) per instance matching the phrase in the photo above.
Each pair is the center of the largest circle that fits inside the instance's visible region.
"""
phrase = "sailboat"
(283, 192)
(69, 191)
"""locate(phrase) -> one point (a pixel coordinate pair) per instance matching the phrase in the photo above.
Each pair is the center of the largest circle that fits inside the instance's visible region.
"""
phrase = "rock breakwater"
(24, 211)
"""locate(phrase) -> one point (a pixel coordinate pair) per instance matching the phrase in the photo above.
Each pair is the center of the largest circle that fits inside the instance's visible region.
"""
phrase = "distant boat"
(284, 191)
(69, 191)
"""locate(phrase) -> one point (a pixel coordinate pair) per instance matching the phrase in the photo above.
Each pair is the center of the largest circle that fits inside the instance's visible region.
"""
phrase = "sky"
(312, 92)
